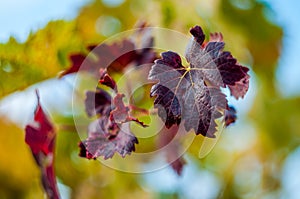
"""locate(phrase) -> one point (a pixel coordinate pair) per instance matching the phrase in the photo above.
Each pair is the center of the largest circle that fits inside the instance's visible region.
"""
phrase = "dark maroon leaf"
(192, 94)
(198, 34)
(183, 95)
(168, 105)
(230, 116)
(40, 136)
(97, 103)
(203, 106)
(106, 138)
(83, 152)
(107, 80)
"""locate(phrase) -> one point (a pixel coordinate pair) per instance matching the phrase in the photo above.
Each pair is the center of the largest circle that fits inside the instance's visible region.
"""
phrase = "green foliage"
(42, 56)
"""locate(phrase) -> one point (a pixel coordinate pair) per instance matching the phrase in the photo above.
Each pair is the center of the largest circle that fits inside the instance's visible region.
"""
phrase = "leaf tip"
(198, 34)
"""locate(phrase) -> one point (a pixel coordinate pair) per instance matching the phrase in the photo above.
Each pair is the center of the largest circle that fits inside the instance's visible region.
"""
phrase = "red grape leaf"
(106, 138)
(40, 136)
(183, 94)
(192, 94)
(83, 151)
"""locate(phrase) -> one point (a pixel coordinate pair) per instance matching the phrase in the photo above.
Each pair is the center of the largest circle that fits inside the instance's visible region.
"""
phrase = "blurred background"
(257, 157)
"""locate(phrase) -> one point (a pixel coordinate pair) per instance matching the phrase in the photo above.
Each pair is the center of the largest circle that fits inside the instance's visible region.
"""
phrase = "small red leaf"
(182, 94)
(40, 136)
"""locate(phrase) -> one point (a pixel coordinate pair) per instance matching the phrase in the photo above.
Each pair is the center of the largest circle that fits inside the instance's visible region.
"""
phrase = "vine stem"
(142, 111)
